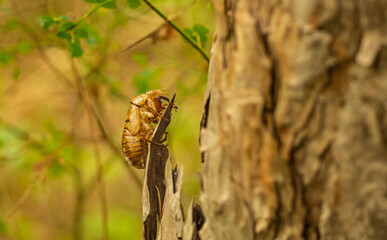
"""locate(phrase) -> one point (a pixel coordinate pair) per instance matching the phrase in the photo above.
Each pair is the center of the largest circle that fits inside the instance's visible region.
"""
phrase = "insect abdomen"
(135, 149)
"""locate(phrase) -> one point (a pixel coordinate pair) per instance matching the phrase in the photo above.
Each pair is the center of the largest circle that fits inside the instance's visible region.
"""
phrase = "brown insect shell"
(154, 101)
(145, 109)
(150, 101)
(151, 98)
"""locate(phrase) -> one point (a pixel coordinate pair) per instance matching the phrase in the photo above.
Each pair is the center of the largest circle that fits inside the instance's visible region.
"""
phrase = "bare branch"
(154, 178)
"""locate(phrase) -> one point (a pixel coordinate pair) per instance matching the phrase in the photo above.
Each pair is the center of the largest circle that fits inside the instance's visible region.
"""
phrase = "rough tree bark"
(294, 128)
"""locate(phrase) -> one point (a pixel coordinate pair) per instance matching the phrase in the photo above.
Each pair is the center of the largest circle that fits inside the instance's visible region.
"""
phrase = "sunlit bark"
(294, 129)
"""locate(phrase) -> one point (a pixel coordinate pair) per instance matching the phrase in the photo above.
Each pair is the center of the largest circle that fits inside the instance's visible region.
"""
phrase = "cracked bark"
(294, 135)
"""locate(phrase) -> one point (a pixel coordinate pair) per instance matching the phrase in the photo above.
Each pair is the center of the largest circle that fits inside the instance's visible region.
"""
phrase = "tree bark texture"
(294, 127)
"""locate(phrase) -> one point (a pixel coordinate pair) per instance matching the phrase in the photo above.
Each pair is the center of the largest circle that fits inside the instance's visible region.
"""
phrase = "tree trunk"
(294, 128)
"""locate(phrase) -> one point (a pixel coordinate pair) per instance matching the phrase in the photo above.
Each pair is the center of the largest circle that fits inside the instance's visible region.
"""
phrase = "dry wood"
(189, 230)
(194, 222)
(172, 221)
(154, 178)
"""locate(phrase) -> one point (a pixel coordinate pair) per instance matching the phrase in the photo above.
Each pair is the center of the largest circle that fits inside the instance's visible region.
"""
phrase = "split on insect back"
(144, 110)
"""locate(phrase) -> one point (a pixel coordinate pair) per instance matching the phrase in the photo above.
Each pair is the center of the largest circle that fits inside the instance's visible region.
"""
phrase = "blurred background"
(62, 174)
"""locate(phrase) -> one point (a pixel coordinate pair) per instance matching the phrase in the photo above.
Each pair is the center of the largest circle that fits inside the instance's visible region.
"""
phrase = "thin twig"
(27, 192)
(79, 205)
(101, 184)
(143, 38)
(174, 26)
(83, 18)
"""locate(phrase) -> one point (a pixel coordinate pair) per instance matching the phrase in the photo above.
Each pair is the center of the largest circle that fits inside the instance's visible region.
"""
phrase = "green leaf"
(64, 35)
(3, 227)
(133, 3)
(190, 33)
(198, 33)
(68, 25)
(24, 47)
(140, 59)
(6, 56)
(56, 167)
(75, 47)
(109, 5)
(64, 18)
(93, 37)
(16, 72)
(80, 33)
(46, 22)
(202, 32)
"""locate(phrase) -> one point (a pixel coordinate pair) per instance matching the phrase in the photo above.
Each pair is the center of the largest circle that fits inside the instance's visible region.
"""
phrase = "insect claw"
(164, 97)
(165, 137)
(158, 144)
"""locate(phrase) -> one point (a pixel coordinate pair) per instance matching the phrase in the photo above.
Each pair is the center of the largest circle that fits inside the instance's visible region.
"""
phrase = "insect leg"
(158, 144)
(165, 137)
(159, 115)
(153, 109)
(167, 99)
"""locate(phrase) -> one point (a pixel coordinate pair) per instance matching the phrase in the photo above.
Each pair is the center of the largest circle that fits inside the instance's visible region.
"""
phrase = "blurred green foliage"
(3, 227)
(148, 77)
(68, 70)
(133, 3)
(6, 56)
(198, 33)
